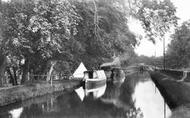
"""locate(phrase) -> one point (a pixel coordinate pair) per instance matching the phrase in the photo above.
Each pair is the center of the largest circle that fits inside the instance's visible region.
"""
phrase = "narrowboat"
(94, 79)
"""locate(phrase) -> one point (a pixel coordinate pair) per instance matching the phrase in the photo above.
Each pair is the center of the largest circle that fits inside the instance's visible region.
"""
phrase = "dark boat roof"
(89, 71)
(114, 63)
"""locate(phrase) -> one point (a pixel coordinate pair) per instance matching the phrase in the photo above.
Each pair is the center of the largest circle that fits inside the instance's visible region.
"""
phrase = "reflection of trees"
(69, 105)
(37, 107)
(44, 103)
(38, 110)
(118, 75)
(127, 89)
(31, 110)
(115, 103)
(120, 95)
(134, 113)
(181, 112)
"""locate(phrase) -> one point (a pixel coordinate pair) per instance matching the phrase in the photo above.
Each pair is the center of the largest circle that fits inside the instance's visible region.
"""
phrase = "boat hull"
(94, 83)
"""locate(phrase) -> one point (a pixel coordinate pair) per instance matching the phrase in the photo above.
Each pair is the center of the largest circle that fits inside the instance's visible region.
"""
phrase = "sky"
(146, 47)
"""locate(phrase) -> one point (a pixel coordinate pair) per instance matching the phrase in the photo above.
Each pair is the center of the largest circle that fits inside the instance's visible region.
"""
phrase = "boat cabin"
(94, 79)
(94, 74)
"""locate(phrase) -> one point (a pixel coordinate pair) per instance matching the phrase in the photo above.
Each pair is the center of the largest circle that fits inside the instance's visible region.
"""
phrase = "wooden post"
(164, 55)
(164, 64)
(51, 80)
(28, 76)
(164, 109)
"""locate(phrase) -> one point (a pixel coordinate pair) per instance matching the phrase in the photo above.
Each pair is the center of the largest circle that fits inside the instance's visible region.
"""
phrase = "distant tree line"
(178, 53)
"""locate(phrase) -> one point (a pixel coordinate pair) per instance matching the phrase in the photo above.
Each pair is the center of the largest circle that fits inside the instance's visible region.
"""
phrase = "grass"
(175, 93)
(23, 92)
(181, 112)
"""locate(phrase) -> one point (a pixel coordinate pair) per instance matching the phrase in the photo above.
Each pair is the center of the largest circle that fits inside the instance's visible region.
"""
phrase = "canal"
(135, 97)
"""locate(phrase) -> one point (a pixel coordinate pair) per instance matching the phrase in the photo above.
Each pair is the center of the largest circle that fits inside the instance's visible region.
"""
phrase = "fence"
(44, 77)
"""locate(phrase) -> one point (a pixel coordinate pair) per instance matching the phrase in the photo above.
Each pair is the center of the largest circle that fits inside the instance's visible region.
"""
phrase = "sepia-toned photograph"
(94, 58)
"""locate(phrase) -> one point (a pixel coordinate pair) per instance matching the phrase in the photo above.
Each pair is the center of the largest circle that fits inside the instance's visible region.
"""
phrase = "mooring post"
(164, 109)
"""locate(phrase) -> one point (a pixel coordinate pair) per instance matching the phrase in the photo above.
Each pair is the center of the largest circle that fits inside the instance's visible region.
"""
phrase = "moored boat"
(91, 79)
(94, 79)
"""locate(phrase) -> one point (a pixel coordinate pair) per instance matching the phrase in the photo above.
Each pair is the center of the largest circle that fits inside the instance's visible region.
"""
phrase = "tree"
(112, 35)
(178, 51)
(36, 31)
(3, 59)
(39, 32)
(3, 64)
(156, 16)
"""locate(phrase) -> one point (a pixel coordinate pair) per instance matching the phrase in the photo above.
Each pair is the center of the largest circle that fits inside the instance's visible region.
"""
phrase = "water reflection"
(15, 113)
(148, 98)
(181, 112)
(96, 92)
(80, 93)
(135, 97)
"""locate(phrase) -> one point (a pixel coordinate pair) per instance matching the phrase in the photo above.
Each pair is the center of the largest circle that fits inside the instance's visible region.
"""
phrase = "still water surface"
(136, 97)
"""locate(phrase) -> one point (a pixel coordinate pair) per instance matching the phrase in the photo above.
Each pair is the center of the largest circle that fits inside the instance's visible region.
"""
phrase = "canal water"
(135, 97)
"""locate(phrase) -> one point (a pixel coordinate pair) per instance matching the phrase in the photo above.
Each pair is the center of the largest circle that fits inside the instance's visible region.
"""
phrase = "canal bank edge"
(176, 93)
(23, 92)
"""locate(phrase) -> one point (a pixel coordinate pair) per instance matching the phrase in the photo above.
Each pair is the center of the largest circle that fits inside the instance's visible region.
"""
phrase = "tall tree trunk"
(15, 76)
(3, 64)
(12, 80)
(25, 72)
(50, 71)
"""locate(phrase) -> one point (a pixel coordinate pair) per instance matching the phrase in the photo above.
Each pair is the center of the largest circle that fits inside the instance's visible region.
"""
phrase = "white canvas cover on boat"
(79, 72)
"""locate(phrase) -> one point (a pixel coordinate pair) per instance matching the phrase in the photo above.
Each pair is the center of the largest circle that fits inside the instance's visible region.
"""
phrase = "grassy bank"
(30, 90)
(176, 93)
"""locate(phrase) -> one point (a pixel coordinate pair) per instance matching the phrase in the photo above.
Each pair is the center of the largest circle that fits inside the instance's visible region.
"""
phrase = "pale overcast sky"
(146, 47)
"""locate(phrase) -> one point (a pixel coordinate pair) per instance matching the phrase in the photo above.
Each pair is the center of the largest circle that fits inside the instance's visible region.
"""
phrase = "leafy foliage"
(178, 52)
(37, 31)
(157, 17)
(113, 37)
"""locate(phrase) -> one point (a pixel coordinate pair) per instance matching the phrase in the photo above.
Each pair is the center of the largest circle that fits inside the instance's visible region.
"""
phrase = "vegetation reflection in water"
(150, 100)
(134, 98)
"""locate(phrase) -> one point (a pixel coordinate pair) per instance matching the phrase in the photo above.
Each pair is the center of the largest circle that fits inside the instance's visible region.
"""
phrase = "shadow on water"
(135, 97)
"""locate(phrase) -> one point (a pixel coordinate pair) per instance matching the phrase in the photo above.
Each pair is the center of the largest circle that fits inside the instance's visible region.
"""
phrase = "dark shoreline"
(176, 93)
